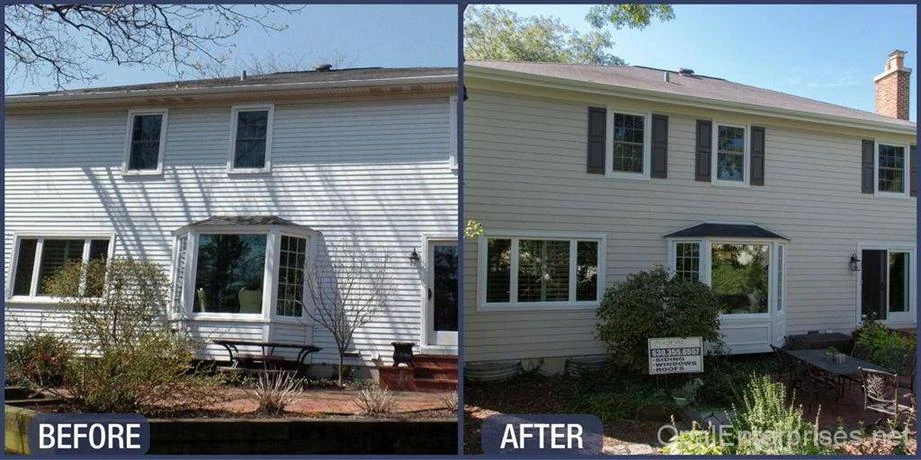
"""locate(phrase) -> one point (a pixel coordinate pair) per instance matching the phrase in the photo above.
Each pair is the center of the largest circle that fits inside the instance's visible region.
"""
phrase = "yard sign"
(676, 355)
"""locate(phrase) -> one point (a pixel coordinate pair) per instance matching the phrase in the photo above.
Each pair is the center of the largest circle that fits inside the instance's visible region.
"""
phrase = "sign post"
(675, 355)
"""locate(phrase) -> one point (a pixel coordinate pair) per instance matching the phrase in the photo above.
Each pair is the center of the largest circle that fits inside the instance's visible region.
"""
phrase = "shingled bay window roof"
(719, 230)
(237, 221)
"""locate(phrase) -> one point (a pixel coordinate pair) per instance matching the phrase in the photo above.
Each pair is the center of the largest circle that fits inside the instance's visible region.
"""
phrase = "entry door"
(441, 293)
(886, 284)
(873, 285)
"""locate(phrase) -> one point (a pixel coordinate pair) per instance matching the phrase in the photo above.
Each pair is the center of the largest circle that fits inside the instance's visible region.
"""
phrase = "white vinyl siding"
(372, 171)
(524, 170)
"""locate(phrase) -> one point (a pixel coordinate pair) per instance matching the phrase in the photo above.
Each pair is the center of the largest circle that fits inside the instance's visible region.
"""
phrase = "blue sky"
(365, 35)
(825, 52)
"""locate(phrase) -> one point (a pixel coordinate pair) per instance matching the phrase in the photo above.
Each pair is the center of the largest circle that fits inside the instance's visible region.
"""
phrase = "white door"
(441, 293)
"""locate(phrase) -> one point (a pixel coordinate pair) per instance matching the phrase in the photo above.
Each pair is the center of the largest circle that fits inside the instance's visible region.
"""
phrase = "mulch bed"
(235, 402)
(541, 395)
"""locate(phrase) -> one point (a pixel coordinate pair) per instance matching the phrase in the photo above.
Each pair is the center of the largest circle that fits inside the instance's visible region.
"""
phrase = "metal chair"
(805, 380)
(881, 394)
(784, 365)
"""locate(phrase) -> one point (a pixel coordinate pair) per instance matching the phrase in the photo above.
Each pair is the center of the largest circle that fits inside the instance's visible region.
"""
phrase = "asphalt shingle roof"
(716, 89)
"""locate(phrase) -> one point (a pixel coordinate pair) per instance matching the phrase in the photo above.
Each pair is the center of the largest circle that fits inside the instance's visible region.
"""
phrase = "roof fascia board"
(117, 96)
(472, 72)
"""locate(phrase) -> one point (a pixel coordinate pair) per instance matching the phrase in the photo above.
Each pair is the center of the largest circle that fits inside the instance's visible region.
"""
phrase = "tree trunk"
(341, 361)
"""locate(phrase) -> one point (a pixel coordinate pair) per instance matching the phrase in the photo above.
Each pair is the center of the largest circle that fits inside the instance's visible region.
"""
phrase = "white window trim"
(268, 138)
(706, 263)
(609, 145)
(452, 126)
(715, 151)
(32, 297)
(910, 248)
(270, 274)
(906, 177)
(126, 159)
(513, 304)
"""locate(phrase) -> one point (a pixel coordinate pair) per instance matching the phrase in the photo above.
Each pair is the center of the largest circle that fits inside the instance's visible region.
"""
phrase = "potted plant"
(835, 355)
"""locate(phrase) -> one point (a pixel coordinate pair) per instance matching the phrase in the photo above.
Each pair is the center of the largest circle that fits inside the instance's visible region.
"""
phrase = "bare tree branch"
(60, 41)
(347, 288)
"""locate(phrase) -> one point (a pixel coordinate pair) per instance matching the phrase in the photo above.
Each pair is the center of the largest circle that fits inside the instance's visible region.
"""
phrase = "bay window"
(739, 272)
(540, 271)
(241, 268)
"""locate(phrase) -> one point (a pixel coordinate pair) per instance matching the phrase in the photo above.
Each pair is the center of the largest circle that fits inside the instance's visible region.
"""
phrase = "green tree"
(499, 34)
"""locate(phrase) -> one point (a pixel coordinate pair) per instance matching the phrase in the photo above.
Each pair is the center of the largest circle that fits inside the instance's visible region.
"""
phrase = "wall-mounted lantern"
(855, 263)
(414, 258)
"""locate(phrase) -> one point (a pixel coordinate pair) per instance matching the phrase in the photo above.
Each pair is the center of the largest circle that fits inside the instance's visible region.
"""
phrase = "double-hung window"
(629, 144)
(251, 139)
(731, 154)
(554, 271)
(892, 169)
(40, 258)
(146, 142)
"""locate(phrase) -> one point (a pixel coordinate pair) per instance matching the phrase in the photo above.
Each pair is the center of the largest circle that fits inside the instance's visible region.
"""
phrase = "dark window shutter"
(597, 123)
(704, 150)
(757, 156)
(659, 147)
(867, 160)
(913, 169)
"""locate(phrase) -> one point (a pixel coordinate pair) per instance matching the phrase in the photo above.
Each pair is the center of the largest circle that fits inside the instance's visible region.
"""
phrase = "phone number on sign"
(663, 352)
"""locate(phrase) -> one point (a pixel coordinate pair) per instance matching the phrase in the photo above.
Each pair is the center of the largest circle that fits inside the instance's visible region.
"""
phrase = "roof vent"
(685, 72)
(243, 76)
(323, 68)
(665, 76)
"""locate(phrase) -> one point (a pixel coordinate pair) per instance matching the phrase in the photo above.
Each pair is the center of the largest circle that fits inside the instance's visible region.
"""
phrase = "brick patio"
(332, 402)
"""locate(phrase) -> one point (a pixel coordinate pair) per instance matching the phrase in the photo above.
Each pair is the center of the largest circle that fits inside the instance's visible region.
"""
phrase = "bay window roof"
(248, 221)
(720, 230)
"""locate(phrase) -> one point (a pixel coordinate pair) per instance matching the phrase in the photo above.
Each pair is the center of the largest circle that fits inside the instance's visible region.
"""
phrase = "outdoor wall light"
(414, 258)
(855, 263)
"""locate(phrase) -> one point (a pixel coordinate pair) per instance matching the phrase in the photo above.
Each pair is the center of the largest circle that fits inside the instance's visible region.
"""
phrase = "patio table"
(268, 349)
(820, 360)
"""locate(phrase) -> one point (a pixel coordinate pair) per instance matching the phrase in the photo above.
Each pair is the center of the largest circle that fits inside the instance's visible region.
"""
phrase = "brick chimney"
(892, 98)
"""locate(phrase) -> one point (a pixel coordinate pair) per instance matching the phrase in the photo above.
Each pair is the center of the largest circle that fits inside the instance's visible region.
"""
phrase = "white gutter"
(29, 99)
(509, 76)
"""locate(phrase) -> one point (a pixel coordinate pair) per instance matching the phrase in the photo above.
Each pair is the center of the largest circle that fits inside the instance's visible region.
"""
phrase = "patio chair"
(903, 363)
(804, 379)
(881, 394)
(784, 365)
(861, 351)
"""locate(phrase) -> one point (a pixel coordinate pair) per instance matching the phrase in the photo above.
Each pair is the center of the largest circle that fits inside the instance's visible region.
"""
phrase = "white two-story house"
(798, 213)
(231, 185)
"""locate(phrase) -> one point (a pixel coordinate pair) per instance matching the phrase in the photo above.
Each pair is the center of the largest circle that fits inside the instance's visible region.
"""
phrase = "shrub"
(654, 304)
(886, 347)
(39, 361)
(770, 423)
(133, 361)
(694, 442)
(375, 401)
(275, 391)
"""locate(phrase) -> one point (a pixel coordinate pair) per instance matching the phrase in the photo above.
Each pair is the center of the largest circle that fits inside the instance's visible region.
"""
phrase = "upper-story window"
(629, 144)
(251, 143)
(146, 142)
(731, 157)
(891, 165)
(40, 258)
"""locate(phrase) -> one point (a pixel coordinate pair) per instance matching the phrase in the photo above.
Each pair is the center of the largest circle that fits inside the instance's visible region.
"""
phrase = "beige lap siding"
(525, 169)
